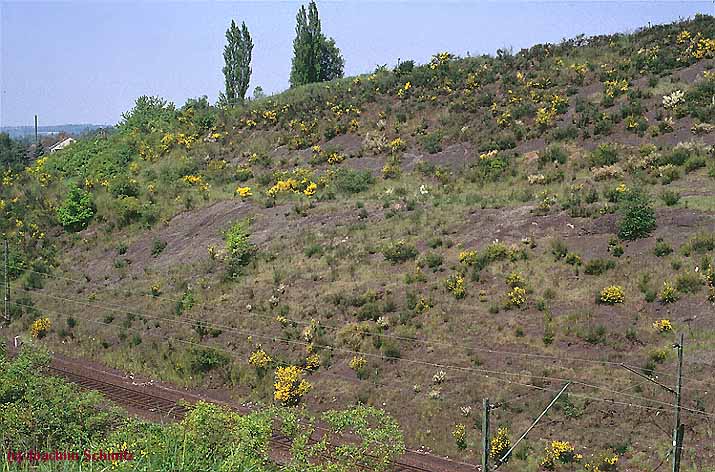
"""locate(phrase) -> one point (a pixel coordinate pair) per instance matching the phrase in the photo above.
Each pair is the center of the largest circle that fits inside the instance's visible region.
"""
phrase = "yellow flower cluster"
(310, 189)
(402, 91)
(196, 181)
(38, 171)
(613, 294)
(358, 363)
(485, 156)
(282, 186)
(290, 386)
(155, 290)
(396, 145)
(439, 60)
(335, 158)
(504, 119)
(312, 362)
(182, 139)
(515, 279)
(270, 116)
(669, 294)
(699, 47)
(291, 184)
(516, 296)
(7, 178)
(455, 285)
(500, 443)
(244, 192)
(459, 433)
(40, 327)
(683, 37)
(545, 117)
(559, 451)
(341, 111)
(605, 463)
(468, 257)
(663, 326)
(260, 359)
(614, 88)
(580, 69)
(423, 305)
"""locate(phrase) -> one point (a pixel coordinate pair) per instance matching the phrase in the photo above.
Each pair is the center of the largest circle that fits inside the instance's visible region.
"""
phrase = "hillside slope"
(418, 238)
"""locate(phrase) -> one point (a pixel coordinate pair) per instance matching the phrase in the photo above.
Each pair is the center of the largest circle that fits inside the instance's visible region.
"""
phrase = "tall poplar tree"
(237, 68)
(315, 57)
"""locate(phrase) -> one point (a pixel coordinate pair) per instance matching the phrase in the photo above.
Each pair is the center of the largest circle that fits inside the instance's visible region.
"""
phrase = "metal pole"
(503, 458)
(485, 436)
(36, 140)
(7, 284)
(678, 430)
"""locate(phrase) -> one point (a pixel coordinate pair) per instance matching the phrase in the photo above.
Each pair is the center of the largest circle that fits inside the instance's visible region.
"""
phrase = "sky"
(87, 61)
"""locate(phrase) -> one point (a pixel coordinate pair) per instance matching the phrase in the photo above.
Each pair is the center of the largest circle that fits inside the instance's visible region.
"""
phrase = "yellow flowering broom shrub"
(455, 285)
(516, 297)
(612, 295)
(669, 294)
(259, 359)
(244, 192)
(663, 326)
(559, 452)
(290, 387)
(500, 443)
(40, 327)
(312, 362)
(459, 433)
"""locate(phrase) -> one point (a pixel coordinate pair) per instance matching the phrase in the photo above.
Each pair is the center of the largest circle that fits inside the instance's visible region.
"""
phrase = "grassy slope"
(321, 258)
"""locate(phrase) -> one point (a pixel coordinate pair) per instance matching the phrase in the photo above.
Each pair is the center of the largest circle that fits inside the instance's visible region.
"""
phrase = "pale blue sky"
(86, 61)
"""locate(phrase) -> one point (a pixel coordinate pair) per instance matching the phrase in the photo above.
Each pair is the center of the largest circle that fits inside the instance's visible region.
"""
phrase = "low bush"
(399, 251)
(599, 266)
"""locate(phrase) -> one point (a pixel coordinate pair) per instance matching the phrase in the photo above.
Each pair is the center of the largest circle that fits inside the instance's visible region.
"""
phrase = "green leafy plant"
(637, 217)
(77, 210)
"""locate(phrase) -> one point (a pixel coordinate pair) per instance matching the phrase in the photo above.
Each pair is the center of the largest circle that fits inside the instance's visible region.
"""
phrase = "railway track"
(141, 399)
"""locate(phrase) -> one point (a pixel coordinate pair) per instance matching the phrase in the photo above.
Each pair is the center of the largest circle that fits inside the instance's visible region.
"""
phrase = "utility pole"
(485, 436)
(6, 281)
(679, 429)
(36, 140)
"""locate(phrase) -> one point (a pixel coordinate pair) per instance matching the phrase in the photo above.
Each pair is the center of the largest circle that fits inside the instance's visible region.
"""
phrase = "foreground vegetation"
(44, 413)
(416, 238)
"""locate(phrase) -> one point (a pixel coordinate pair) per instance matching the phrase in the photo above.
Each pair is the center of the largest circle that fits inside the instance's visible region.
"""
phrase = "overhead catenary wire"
(575, 395)
(289, 341)
(412, 340)
(432, 364)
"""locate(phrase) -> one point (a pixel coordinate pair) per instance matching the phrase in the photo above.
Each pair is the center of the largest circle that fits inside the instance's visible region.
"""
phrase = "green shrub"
(669, 294)
(239, 247)
(559, 249)
(203, 360)
(553, 154)
(670, 197)
(432, 260)
(352, 181)
(399, 251)
(77, 210)
(638, 217)
(157, 247)
(604, 155)
(689, 282)
(700, 243)
(432, 142)
(662, 248)
(599, 266)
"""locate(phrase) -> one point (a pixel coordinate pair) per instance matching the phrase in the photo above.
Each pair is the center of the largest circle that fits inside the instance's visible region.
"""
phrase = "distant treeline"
(17, 132)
